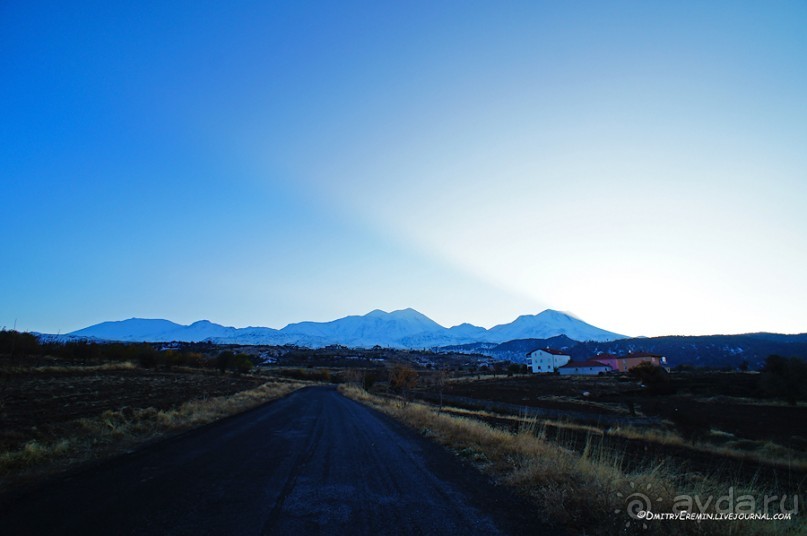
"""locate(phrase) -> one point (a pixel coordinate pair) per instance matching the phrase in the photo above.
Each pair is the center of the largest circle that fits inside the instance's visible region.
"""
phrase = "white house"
(584, 368)
(546, 360)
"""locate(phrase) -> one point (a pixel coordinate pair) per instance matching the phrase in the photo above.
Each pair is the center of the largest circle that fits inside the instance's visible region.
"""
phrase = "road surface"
(314, 462)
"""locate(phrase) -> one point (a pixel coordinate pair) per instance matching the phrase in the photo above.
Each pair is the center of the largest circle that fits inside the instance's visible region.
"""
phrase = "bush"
(655, 378)
(146, 355)
(691, 426)
(14, 343)
(369, 379)
(785, 378)
(313, 375)
(241, 364)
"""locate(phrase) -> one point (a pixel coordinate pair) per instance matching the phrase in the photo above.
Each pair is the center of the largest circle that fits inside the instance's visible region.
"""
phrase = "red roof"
(578, 364)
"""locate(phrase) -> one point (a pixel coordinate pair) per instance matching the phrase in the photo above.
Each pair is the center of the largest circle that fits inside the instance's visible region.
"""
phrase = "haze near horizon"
(639, 165)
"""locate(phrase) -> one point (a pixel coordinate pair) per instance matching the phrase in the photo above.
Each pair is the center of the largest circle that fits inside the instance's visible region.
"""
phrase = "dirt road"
(311, 463)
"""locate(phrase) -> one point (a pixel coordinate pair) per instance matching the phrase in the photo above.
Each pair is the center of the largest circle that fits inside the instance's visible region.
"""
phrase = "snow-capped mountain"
(405, 328)
(132, 330)
(375, 328)
(548, 324)
(467, 331)
(205, 329)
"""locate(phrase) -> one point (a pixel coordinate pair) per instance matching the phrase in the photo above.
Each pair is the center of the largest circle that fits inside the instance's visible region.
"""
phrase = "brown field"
(703, 396)
(725, 437)
(53, 418)
(43, 406)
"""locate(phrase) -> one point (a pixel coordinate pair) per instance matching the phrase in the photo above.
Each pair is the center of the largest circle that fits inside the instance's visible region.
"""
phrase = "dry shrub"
(402, 379)
(35, 452)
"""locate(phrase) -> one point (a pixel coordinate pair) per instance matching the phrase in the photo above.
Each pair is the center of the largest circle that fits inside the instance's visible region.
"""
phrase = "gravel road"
(313, 462)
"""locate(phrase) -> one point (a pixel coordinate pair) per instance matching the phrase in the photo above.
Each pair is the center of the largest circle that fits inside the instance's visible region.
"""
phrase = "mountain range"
(404, 328)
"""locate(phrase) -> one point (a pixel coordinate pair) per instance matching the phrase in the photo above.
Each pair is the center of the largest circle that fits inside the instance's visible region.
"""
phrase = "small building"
(626, 362)
(584, 368)
(546, 360)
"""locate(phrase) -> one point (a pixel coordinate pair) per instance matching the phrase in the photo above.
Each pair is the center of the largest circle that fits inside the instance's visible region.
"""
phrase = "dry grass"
(763, 452)
(586, 492)
(127, 427)
(716, 442)
(522, 420)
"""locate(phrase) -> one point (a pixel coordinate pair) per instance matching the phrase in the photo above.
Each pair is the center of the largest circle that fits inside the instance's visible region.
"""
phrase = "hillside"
(712, 351)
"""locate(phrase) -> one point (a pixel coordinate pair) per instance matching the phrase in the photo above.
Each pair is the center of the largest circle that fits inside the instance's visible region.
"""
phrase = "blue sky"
(642, 165)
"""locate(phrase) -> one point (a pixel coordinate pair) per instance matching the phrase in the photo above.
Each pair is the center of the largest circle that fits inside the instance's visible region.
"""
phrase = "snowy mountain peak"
(201, 323)
(132, 329)
(551, 314)
(549, 323)
(407, 313)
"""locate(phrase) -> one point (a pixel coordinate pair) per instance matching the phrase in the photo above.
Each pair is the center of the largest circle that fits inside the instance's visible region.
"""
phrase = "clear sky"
(642, 165)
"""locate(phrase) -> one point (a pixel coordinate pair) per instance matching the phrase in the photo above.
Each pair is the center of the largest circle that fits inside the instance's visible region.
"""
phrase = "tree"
(438, 382)
(223, 360)
(785, 377)
(241, 363)
(361, 377)
(146, 355)
(402, 379)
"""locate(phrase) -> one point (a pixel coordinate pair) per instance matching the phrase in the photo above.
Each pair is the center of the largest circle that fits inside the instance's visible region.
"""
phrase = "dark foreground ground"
(46, 407)
(311, 463)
